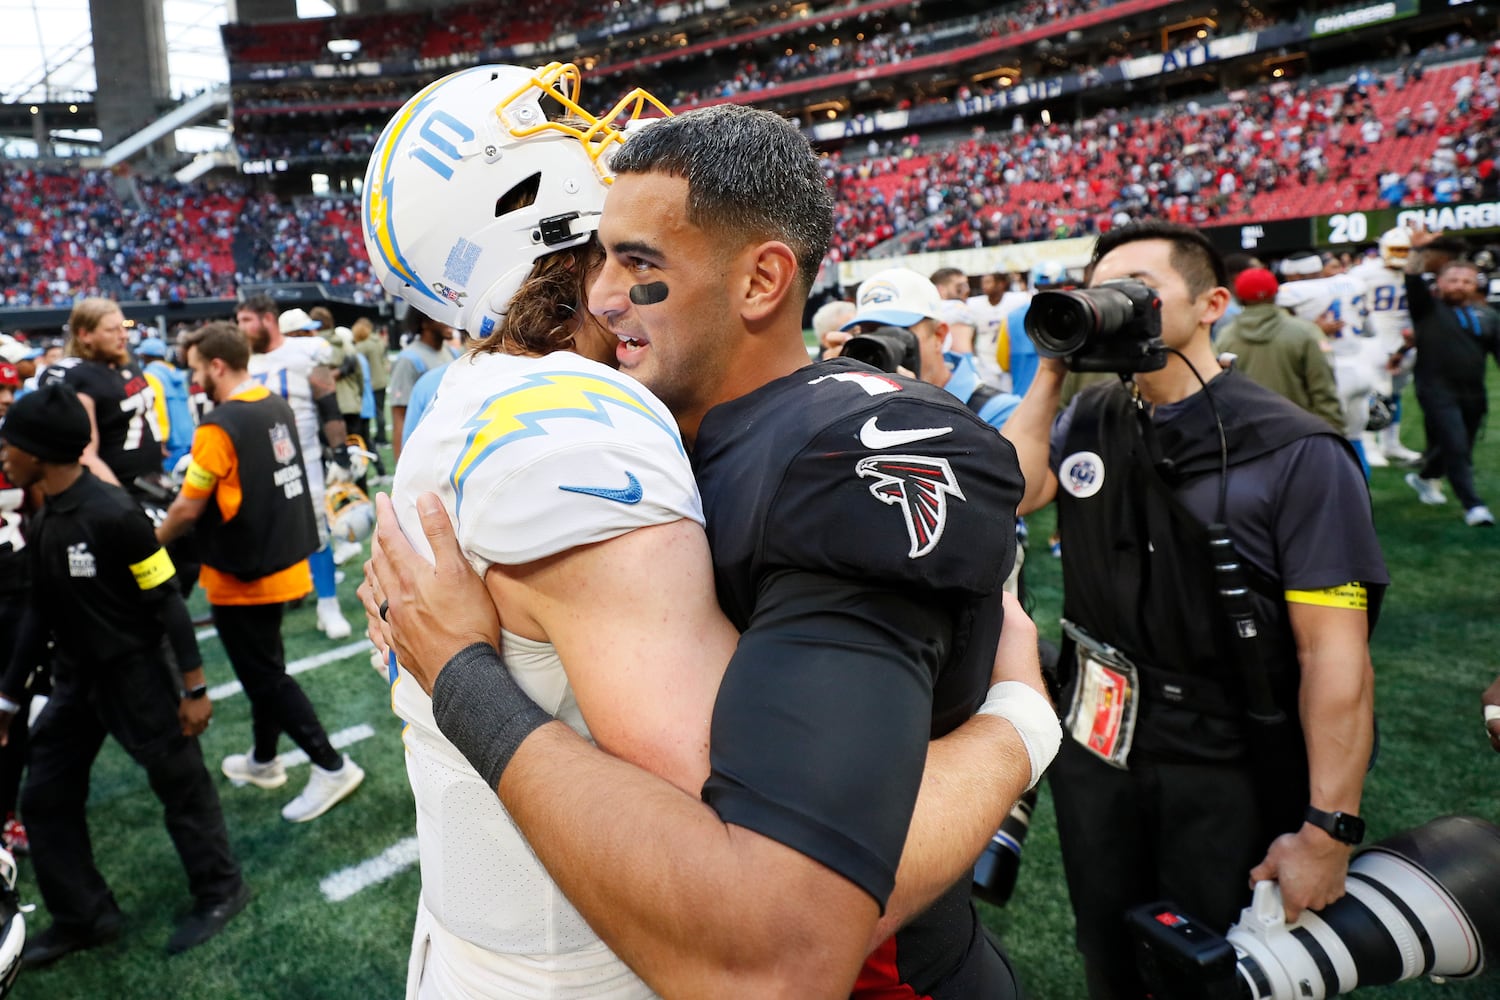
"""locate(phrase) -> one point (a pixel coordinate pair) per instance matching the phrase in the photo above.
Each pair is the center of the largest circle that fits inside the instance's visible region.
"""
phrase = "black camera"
(1425, 902)
(1112, 327)
(886, 348)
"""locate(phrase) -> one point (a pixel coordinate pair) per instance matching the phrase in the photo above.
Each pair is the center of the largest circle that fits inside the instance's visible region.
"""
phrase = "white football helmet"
(351, 515)
(472, 181)
(1395, 247)
(1045, 274)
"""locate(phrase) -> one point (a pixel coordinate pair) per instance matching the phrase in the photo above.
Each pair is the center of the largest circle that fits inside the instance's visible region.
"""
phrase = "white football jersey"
(1386, 314)
(1339, 294)
(531, 456)
(284, 371)
(987, 322)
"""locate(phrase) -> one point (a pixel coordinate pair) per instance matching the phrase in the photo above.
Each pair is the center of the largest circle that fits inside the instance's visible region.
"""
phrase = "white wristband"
(1034, 718)
(1491, 713)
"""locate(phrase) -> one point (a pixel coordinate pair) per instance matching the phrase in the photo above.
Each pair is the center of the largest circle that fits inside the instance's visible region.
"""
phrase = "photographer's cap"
(896, 297)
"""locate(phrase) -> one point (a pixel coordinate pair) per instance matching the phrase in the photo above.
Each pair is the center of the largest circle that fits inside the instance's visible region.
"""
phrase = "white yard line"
(386, 865)
(303, 665)
(205, 633)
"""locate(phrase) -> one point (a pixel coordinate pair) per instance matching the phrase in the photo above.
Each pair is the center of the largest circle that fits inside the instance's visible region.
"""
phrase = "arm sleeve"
(822, 721)
(1418, 298)
(403, 377)
(213, 460)
(1325, 534)
(29, 653)
(178, 624)
(589, 492)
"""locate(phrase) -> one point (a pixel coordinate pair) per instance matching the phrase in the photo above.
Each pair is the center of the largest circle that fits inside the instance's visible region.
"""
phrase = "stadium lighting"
(73, 109)
(344, 47)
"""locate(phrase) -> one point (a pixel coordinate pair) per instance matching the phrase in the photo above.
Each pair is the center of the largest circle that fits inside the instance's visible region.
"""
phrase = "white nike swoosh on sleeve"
(874, 438)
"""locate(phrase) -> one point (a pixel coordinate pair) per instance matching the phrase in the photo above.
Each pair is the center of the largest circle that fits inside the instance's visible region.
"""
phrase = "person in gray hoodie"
(1279, 351)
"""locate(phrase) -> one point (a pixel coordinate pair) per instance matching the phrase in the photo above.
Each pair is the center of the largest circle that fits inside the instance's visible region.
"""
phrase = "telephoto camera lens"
(996, 870)
(1425, 902)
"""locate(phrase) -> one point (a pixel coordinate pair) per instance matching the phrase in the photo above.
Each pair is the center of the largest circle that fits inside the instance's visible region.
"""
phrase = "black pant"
(1188, 833)
(251, 635)
(135, 701)
(379, 416)
(13, 754)
(1452, 419)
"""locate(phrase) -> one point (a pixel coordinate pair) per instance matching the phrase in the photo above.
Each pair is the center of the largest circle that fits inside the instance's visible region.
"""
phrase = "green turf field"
(1434, 652)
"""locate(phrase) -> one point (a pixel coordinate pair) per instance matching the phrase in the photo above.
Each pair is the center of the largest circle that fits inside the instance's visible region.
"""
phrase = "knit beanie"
(50, 424)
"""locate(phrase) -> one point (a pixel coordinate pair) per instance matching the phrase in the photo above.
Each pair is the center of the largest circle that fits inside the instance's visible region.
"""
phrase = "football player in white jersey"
(1387, 320)
(563, 478)
(996, 301)
(560, 474)
(296, 368)
(1336, 304)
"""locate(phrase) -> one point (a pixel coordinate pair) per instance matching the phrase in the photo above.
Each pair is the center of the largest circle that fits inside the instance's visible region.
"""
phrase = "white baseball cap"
(896, 297)
(294, 320)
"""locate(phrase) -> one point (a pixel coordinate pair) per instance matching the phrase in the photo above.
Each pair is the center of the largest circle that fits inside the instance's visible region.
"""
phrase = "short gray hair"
(832, 315)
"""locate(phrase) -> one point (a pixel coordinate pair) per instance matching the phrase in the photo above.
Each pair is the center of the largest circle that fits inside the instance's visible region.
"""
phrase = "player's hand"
(1330, 324)
(433, 610)
(1016, 657)
(194, 714)
(1421, 236)
(1491, 698)
(1309, 865)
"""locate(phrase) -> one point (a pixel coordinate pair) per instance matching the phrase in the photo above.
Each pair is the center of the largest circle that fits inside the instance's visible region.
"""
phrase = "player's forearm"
(1029, 430)
(972, 779)
(1337, 705)
(181, 516)
(678, 894)
(98, 467)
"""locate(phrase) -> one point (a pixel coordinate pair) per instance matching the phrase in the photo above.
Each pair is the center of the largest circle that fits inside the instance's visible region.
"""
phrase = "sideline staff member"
(255, 539)
(1170, 810)
(97, 575)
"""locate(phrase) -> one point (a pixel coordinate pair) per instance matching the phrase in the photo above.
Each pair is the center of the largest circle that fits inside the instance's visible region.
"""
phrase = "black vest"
(1137, 570)
(275, 526)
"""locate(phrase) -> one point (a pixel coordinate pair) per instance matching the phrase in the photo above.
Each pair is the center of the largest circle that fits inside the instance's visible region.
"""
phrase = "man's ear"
(772, 275)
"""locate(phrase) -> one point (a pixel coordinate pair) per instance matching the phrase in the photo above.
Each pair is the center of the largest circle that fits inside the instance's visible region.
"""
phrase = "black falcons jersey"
(861, 527)
(124, 410)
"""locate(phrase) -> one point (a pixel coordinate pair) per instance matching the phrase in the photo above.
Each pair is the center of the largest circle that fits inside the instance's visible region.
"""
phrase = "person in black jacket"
(98, 592)
(1452, 337)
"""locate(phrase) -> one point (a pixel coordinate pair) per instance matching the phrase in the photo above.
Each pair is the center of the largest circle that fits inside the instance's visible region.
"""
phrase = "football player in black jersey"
(861, 527)
(121, 404)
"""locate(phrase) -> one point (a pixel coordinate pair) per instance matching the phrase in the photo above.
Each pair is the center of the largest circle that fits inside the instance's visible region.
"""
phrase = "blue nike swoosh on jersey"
(632, 492)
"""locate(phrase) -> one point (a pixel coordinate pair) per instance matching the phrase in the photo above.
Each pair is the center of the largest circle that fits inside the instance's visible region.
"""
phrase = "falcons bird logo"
(920, 487)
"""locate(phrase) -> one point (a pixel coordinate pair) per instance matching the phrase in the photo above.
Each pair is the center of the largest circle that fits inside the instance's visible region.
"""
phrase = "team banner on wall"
(1362, 17)
(1346, 228)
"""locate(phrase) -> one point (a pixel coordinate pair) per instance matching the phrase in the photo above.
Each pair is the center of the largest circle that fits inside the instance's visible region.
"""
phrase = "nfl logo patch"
(282, 445)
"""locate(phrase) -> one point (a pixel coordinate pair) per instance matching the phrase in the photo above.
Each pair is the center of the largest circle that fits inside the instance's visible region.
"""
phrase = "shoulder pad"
(910, 489)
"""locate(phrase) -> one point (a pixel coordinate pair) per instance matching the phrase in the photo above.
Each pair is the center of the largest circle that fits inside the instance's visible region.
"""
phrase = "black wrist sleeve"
(483, 711)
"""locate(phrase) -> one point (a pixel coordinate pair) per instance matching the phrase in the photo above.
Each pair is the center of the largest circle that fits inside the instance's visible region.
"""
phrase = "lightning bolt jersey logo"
(523, 412)
(920, 487)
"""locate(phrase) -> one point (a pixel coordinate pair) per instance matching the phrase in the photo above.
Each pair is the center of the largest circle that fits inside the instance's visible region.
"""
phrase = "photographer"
(1162, 790)
(899, 326)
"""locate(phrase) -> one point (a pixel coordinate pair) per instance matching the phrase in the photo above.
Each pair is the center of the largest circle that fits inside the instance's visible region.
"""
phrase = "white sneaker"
(331, 621)
(344, 551)
(1479, 517)
(1402, 455)
(243, 769)
(1373, 457)
(1429, 491)
(325, 789)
